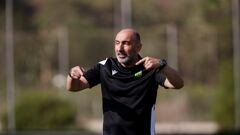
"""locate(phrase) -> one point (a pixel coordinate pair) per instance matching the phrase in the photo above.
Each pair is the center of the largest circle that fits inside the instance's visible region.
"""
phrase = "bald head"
(135, 36)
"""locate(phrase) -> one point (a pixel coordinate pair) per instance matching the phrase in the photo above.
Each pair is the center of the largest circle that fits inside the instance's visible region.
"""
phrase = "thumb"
(82, 71)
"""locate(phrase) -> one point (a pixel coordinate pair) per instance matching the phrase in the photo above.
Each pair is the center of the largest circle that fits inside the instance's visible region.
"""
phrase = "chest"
(127, 84)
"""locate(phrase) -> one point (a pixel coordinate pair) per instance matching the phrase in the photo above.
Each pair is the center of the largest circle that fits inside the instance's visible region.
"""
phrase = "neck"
(127, 66)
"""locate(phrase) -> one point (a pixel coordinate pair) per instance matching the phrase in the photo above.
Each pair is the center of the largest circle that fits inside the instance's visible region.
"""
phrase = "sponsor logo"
(138, 74)
(114, 72)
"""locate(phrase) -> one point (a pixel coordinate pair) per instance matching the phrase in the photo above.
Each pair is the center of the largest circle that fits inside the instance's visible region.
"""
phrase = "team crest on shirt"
(114, 72)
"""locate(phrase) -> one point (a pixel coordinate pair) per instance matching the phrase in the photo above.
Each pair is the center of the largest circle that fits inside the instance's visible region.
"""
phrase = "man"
(129, 86)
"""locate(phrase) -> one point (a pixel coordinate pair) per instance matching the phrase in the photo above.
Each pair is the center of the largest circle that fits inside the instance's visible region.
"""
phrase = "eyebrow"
(123, 41)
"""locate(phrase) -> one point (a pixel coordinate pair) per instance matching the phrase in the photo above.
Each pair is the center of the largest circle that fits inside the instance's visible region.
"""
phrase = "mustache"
(121, 53)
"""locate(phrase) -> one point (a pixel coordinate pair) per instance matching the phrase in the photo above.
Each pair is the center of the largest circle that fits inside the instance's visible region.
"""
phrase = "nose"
(119, 47)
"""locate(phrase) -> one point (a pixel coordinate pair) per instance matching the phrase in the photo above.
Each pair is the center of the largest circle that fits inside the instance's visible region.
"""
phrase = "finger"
(141, 61)
(73, 75)
(76, 72)
(75, 69)
(148, 66)
(81, 71)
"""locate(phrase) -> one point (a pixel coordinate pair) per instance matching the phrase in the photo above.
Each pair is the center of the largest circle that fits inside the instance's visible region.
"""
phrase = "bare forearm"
(173, 77)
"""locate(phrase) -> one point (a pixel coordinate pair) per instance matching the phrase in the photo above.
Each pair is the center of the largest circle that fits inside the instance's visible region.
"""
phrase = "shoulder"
(108, 61)
(103, 62)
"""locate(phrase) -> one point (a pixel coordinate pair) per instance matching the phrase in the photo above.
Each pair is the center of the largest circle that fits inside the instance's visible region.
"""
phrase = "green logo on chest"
(138, 74)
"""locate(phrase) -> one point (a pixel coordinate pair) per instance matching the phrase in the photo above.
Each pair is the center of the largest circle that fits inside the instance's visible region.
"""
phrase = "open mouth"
(121, 56)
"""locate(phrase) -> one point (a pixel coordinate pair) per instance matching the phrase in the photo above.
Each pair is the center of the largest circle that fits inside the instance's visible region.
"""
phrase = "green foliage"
(42, 110)
(223, 110)
(200, 101)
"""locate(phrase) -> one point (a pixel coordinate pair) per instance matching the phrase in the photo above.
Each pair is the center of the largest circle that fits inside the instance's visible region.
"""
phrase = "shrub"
(42, 110)
(224, 101)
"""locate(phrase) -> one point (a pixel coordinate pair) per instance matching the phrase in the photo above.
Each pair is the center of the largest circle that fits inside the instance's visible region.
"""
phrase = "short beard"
(129, 60)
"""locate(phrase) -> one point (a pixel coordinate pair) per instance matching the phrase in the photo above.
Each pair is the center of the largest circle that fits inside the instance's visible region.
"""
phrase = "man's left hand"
(149, 62)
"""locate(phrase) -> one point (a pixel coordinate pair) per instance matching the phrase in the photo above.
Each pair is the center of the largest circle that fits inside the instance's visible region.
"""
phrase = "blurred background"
(40, 40)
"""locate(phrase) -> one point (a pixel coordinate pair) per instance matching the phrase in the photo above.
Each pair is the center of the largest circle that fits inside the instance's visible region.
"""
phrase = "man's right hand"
(75, 80)
(76, 72)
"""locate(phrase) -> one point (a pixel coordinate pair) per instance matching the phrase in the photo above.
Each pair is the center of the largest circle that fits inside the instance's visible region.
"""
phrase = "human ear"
(139, 47)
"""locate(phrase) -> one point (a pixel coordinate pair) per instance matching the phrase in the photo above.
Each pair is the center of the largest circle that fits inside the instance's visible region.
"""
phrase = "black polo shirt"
(129, 96)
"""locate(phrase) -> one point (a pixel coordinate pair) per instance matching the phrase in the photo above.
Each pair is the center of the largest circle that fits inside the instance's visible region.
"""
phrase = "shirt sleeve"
(160, 78)
(93, 75)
